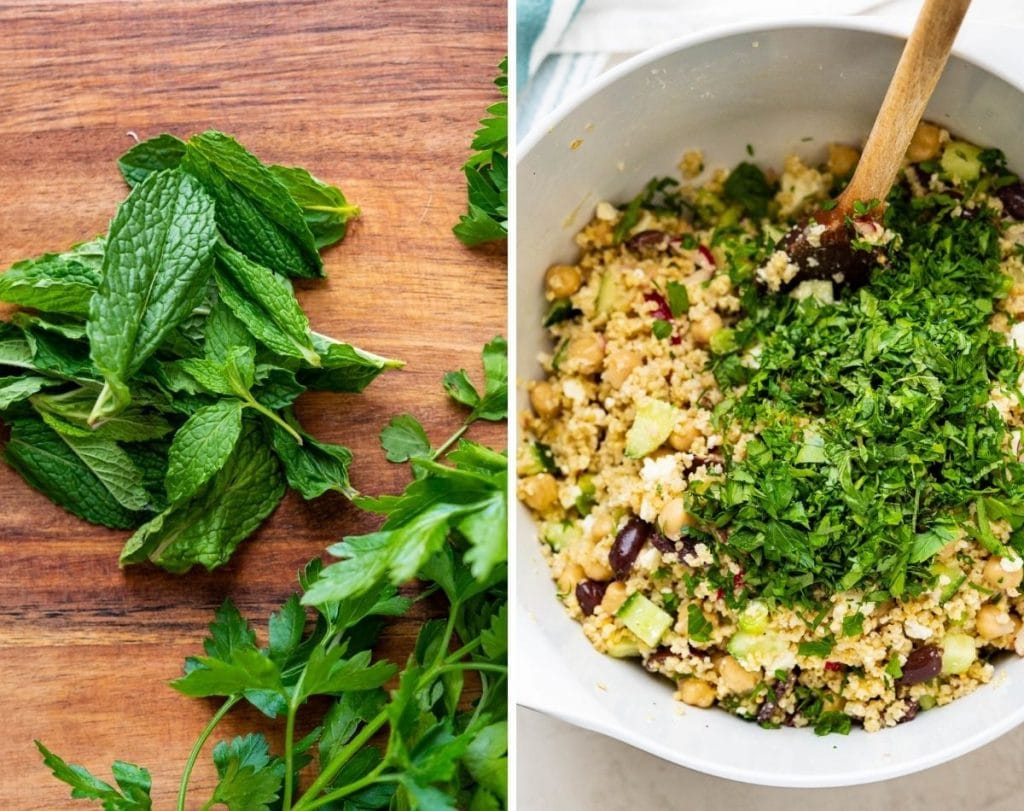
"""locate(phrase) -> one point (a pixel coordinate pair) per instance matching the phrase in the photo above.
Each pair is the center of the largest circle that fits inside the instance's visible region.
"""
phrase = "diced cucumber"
(622, 644)
(654, 422)
(608, 293)
(723, 341)
(585, 500)
(559, 356)
(748, 647)
(536, 458)
(960, 161)
(644, 619)
(951, 578)
(562, 534)
(812, 452)
(958, 653)
(754, 619)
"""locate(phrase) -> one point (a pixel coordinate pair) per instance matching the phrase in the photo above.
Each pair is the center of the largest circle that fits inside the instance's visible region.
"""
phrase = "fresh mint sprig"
(150, 380)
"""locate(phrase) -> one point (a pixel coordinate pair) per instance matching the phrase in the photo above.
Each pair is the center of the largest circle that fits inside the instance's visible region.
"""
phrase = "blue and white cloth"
(564, 44)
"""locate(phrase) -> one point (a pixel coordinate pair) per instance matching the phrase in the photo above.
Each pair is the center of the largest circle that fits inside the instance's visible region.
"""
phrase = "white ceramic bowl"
(774, 86)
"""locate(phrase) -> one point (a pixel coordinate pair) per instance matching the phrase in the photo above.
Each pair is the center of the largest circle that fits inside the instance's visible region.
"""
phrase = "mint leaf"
(55, 283)
(201, 447)
(265, 303)
(206, 528)
(134, 783)
(152, 155)
(343, 367)
(250, 780)
(324, 207)
(135, 424)
(155, 267)
(112, 467)
(47, 462)
(404, 438)
(314, 467)
(255, 212)
(678, 299)
(15, 389)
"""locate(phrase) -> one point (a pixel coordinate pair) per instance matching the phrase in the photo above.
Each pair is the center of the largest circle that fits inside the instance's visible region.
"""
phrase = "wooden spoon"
(828, 254)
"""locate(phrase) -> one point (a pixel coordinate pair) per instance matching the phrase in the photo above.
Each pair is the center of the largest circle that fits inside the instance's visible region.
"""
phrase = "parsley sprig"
(876, 443)
(486, 219)
(441, 750)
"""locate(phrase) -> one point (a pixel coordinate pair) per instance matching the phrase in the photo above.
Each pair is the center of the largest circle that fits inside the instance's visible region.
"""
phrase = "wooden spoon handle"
(918, 72)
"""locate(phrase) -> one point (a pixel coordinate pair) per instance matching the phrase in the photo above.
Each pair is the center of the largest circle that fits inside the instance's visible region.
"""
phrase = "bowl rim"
(536, 700)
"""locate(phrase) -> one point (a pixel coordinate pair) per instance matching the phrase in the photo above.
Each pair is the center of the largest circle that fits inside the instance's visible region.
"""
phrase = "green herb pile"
(487, 175)
(437, 740)
(876, 444)
(148, 381)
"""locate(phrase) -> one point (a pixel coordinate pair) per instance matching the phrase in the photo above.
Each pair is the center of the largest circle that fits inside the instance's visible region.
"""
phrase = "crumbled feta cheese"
(915, 630)
(1013, 564)
(662, 469)
(606, 211)
(573, 388)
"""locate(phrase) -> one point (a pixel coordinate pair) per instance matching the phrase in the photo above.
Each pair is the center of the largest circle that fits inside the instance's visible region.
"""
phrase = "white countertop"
(565, 768)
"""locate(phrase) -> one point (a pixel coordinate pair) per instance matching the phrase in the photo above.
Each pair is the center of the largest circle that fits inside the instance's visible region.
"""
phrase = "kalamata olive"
(912, 708)
(1012, 198)
(924, 663)
(651, 238)
(627, 546)
(589, 594)
(662, 544)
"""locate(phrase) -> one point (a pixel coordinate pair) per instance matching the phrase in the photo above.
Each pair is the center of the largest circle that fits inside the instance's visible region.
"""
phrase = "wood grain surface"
(380, 98)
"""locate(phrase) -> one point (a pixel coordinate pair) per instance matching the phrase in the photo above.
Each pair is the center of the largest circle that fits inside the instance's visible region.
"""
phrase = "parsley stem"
(351, 788)
(289, 752)
(197, 748)
(480, 666)
(323, 780)
(467, 648)
(451, 441)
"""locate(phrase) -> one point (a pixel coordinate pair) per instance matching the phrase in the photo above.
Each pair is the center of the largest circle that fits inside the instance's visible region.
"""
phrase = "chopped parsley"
(875, 440)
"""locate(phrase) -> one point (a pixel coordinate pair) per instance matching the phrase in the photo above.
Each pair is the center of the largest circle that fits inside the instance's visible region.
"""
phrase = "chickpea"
(596, 566)
(673, 518)
(618, 366)
(614, 597)
(842, 159)
(997, 576)
(994, 621)
(684, 436)
(704, 327)
(539, 492)
(562, 280)
(736, 677)
(601, 527)
(545, 399)
(925, 143)
(585, 355)
(696, 693)
(570, 576)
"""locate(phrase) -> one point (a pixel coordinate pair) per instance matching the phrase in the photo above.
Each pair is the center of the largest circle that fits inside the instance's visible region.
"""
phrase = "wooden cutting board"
(380, 98)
